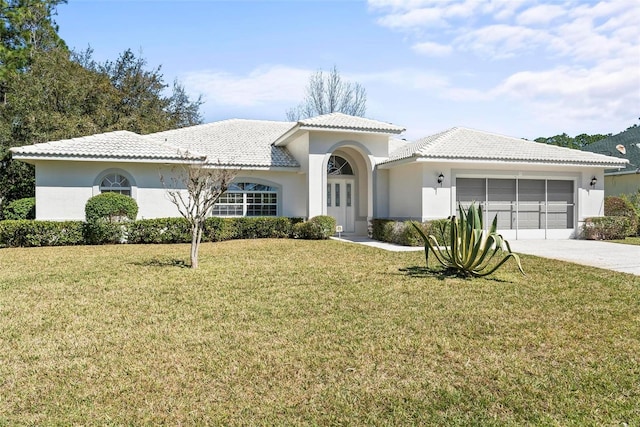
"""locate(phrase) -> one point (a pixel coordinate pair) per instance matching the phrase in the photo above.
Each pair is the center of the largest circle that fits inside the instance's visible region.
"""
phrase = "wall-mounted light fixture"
(440, 179)
(593, 182)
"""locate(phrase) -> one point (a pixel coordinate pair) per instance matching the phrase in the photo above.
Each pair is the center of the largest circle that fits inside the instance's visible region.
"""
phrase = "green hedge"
(402, 233)
(607, 228)
(28, 233)
(622, 206)
(161, 230)
(317, 228)
(20, 209)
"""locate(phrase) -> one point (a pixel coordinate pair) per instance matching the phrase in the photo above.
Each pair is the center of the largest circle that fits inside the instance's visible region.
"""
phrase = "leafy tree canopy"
(577, 142)
(26, 27)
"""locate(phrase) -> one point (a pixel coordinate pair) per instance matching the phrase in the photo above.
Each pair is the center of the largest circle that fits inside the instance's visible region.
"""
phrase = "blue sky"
(524, 68)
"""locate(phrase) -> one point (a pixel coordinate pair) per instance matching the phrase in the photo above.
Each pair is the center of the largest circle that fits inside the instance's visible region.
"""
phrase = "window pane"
(348, 195)
(337, 195)
(329, 195)
(338, 166)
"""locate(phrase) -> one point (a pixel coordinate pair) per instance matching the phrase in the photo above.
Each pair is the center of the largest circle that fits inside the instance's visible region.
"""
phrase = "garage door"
(521, 204)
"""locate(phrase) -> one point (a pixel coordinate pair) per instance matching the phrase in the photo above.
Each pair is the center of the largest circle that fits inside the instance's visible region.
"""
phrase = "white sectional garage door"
(521, 204)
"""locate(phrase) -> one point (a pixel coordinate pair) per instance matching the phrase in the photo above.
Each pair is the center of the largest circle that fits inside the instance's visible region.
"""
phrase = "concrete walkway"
(612, 256)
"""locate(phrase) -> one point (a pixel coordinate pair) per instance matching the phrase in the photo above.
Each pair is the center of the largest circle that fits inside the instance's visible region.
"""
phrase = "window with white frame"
(115, 183)
(248, 199)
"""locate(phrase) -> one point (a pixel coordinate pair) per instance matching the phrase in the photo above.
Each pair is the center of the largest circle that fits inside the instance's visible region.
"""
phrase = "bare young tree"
(329, 93)
(195, 189)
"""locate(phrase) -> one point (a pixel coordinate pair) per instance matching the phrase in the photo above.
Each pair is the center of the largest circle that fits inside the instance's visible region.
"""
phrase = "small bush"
(403, 233)
(606, 228)
(381, 229)
(20, 209)
(29, 233)
(317, 228)
(621, 206)
(110, 207)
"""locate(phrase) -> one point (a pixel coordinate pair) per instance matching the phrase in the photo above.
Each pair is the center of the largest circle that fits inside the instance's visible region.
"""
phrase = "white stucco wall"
(415, 193)
(63, 188)
(405, 191)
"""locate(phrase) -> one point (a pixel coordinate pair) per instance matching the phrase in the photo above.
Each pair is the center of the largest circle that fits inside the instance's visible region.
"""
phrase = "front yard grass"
(273, 332)
(629, 241)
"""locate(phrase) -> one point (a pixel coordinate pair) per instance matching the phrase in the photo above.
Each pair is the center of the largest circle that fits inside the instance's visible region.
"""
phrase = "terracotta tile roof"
(467, 144)
(346, 122)
(116, 145)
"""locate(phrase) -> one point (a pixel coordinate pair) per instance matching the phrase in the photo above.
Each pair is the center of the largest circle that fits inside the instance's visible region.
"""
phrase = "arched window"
(248, 199)
(115, 183)
(338, 166)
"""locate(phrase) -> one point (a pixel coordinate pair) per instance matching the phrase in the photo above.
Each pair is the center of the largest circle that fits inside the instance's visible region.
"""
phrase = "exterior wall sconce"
(440, 179)
(593, 182)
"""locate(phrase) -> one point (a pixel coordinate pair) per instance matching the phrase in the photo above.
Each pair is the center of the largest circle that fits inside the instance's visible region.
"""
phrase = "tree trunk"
(196, 237)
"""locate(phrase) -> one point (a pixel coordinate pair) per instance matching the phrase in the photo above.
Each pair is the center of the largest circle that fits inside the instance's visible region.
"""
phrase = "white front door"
(341, 201)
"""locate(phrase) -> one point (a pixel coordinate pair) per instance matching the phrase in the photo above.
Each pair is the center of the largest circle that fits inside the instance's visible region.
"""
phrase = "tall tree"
(26, 28)
(195, 190)
(329, 93)
(63, 96)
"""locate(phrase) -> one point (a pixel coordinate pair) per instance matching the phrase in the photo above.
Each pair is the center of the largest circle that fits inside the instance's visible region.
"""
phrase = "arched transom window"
(248, 199)
(115, 183)
(338, 166)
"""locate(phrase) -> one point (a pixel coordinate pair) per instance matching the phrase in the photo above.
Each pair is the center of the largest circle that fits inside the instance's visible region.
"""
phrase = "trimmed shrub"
(403, 233)
(20, 209)
(102, 232)
(29, 233)
(263, 228)
(606, 228)
(317, 228)
(621, 206)
(110, 207)
(106, 215)
(159, 230)
(218, 229)
(381, 229)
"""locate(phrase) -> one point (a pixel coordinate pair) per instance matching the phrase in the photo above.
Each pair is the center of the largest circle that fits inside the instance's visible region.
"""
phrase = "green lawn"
(288, 332)
(629, 241)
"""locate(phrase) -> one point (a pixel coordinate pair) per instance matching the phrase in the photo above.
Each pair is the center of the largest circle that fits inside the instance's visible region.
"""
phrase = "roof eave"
(421, 159)
(352, 130)
(31, 158)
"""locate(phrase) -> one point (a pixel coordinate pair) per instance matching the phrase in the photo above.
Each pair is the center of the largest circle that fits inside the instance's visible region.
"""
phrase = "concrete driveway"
(612, 256)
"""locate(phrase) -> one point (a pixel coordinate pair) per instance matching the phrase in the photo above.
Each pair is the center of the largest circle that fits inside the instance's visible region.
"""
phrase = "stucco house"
(625, 145)
(352, 168)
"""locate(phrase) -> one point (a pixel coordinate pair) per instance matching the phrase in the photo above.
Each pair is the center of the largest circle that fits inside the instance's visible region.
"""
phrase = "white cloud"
(564, 61)
(501, 41)
(413, 18)
(540, 15)
(432, 49)
(261, 86)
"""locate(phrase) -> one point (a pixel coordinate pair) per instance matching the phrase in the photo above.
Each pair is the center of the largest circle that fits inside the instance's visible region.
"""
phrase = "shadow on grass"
(442, 274)
(163, 262)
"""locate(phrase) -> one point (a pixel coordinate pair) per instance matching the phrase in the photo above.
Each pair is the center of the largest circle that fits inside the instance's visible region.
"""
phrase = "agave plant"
(470, 248)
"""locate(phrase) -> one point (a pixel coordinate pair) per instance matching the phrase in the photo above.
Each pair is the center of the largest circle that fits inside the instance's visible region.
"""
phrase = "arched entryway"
(341, 192)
